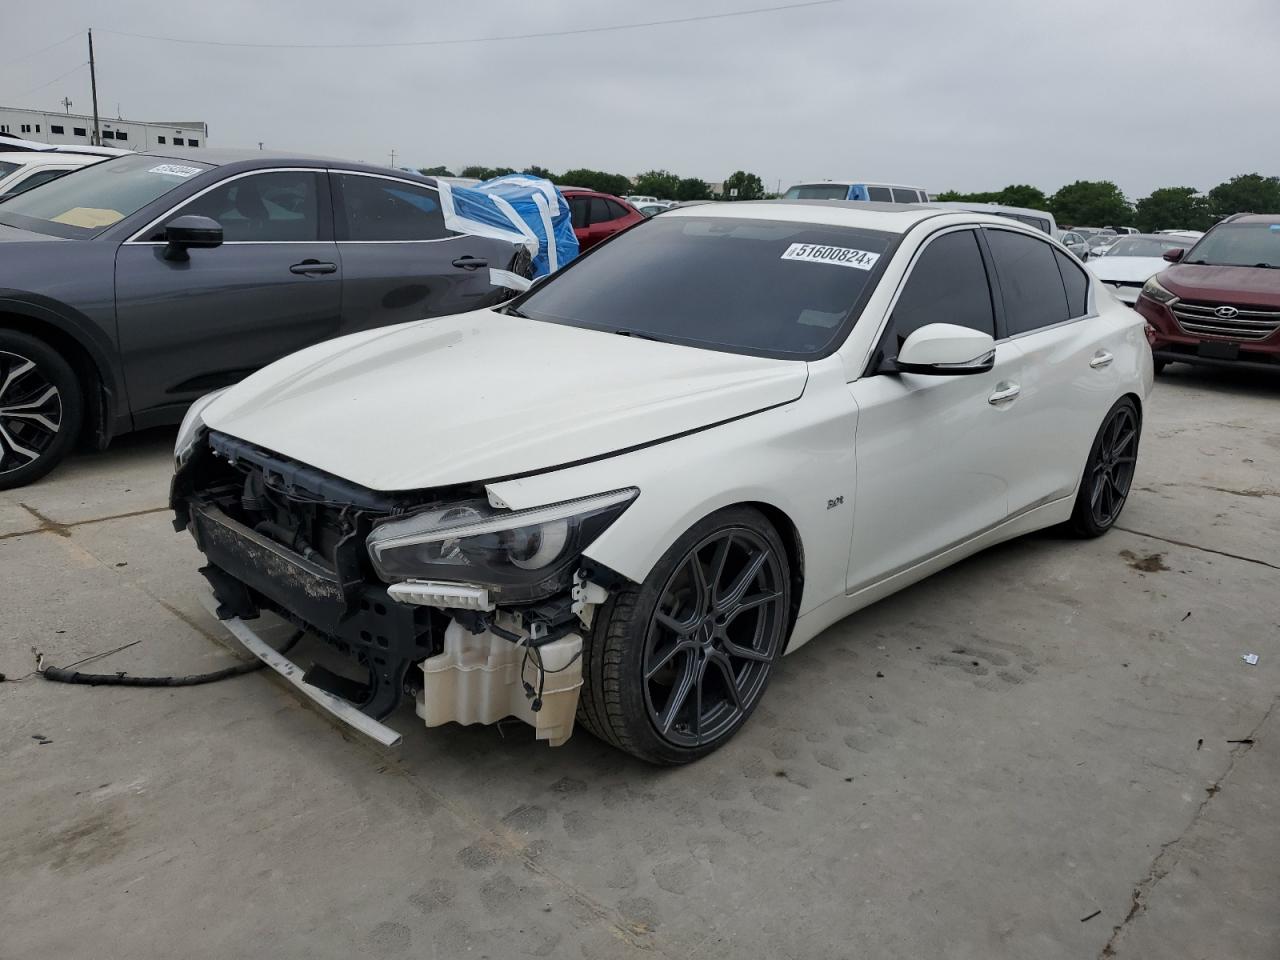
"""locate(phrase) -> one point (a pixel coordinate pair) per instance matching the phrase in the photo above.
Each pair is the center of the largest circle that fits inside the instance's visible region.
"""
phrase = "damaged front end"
(476, 611)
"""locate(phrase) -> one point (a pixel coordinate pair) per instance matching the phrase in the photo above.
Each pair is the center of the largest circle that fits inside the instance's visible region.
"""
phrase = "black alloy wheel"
(40, 409)
(1109, 473)
(716, 630)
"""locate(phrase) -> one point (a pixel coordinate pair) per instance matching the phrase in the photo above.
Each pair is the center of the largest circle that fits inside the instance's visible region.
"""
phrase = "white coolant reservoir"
(476, 679)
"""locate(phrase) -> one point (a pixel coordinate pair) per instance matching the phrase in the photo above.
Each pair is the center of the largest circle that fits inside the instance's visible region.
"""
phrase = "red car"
(598, 216)
(1219, 305)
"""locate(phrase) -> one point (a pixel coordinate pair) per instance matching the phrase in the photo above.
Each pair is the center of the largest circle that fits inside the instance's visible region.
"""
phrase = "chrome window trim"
(213, 186)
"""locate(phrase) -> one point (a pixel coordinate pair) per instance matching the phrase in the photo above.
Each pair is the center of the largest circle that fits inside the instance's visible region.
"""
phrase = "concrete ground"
(1052, 750)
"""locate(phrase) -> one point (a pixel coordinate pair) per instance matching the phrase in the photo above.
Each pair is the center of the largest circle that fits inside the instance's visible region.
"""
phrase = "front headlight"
(192, 424)
(520, 553)
(1152, 290)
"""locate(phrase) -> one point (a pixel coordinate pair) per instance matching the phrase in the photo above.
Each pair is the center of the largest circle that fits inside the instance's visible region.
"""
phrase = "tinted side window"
(599, 210)
(578, 209)
(1034, 296)
(1077, 284)
(948, 284)
(903, 195)
(265, 207)
(882, 194)
(42, 176)
(616, 209)
(378, 209)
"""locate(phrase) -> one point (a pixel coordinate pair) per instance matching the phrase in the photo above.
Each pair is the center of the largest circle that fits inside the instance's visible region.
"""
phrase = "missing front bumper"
(336, 706)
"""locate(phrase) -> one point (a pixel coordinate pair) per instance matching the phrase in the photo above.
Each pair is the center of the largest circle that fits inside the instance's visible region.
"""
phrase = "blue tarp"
(519, 207)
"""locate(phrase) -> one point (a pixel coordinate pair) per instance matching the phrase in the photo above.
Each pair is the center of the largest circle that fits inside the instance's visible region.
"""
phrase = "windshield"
(762, 287)
(87, 201)
(817, 191)
(1239, 245)
(1146, 246)
(6, 168)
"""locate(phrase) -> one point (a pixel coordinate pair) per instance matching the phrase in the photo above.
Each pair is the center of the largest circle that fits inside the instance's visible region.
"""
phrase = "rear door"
(1068, 378)
(933, 461)
(399, 262)
(188, 326)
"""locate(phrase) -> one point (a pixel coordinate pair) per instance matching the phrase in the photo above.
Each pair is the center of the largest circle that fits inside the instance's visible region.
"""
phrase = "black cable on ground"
(121, 679)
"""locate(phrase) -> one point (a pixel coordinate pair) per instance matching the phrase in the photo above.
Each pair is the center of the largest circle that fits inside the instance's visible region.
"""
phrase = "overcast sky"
(934, 93)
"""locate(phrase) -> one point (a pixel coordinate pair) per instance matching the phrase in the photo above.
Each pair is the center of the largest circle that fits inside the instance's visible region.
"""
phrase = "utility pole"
(93, 86)
(66, 102)
(393, 159)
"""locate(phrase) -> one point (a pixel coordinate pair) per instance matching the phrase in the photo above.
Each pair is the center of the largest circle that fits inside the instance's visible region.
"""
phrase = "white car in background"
(664, 466)
(1041, 220)
(21, 171)
(1131, 260)
(1099, 243)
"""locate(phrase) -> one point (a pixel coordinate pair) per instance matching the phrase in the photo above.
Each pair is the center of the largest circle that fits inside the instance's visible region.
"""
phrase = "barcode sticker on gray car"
(839, 256)
(175, 170)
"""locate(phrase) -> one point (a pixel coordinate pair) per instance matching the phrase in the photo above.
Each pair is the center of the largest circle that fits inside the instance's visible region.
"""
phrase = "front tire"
(40, 408)
(1108, 473)
(676, 665)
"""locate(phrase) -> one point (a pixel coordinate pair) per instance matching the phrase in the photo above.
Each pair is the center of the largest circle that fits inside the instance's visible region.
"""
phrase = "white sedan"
(1132, 260)
(624, 495)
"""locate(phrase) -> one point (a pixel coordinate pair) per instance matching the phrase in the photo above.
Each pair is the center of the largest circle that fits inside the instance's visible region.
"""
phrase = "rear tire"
(1108, 473)
(41, 406)
(676, 665)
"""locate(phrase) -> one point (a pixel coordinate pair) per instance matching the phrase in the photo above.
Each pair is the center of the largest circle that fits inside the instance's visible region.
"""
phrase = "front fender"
(797, 458)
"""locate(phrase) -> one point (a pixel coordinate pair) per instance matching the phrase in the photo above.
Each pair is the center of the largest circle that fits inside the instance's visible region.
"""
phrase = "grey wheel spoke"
(10, 446)
(752, 603)
(725, 666)
(680, 693)
(733, 597)
(718, 560)
(702, 589)
(1122, 442)
(743, 653)
(667, 656)
(678, 627)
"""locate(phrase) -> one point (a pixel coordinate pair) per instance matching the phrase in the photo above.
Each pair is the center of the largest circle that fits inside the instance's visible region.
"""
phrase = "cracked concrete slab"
(966, 769)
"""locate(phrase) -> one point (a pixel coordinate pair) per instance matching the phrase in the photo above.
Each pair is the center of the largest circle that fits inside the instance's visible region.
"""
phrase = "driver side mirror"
(191, 232)
(946, 350)
(1174, 255)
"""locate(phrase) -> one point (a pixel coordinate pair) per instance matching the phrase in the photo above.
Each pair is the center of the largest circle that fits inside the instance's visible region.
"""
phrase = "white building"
(77, 129)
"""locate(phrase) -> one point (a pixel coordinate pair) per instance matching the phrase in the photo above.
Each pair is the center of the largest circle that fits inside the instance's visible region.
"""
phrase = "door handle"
(1100, 359)
(1003, 393)
(470, 263)
(313, 266)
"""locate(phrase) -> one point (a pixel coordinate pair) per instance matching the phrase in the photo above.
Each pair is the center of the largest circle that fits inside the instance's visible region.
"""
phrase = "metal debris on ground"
(1250, 658)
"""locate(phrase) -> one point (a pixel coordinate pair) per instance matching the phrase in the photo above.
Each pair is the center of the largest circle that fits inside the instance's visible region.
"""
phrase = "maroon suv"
(1219, 305)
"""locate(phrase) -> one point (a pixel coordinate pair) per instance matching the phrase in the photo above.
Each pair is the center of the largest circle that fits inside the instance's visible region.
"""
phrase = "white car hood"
(1134, 270)
(483, 395)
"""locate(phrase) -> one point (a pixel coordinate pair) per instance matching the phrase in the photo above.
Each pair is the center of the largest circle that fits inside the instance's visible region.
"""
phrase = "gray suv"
(133, 286)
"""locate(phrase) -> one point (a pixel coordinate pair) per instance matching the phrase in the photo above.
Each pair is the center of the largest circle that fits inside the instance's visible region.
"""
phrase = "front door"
(400, 262)
(932, 465)
(188, 326)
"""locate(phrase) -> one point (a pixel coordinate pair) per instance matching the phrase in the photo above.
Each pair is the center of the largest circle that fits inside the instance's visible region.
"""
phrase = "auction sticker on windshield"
(839, 256)
(175, 170)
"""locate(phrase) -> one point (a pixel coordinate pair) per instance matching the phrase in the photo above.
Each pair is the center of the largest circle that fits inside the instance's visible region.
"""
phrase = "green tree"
(691, 188)
(1247, 193)
(658, 183)
(435, 171)
(614, 183)
(1171, 207)
(476, 171)
(538, 171)
(1023, 195)
(1093, 203)
(748, 185)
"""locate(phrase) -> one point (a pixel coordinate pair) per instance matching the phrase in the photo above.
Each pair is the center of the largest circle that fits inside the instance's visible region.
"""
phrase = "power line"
(441, 43)
(36, 53)
(79, 66)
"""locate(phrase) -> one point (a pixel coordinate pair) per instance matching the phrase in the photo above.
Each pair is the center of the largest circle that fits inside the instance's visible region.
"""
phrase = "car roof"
(868, 214)
(258, 159)
(1254, 218)
(39, 158)
(982, 207)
